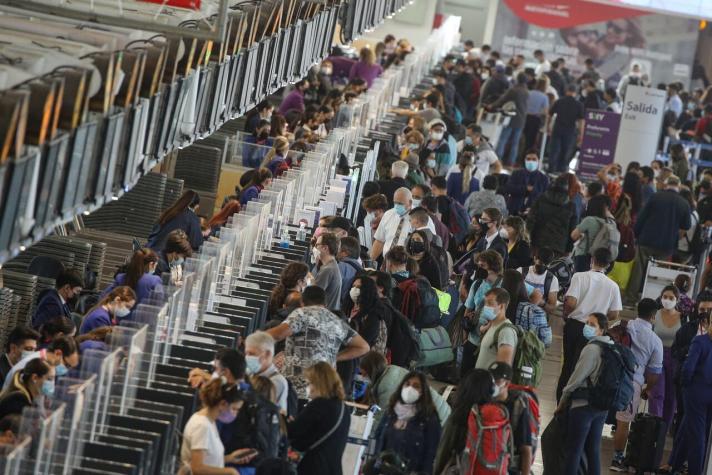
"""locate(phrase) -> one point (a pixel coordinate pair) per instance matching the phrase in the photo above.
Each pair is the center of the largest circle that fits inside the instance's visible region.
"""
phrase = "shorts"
(629, 414)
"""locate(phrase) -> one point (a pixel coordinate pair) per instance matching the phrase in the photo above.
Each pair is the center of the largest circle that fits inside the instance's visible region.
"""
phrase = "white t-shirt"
(537, 281)
(388, 228)
(594, 292)
(541, 68)
(201, 433)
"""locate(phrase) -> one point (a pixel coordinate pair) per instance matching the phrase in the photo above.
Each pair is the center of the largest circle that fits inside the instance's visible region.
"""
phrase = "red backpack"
(489, 437)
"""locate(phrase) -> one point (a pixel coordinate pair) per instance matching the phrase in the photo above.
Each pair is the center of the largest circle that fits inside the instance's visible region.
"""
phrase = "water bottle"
(302, 233)
(284, 239)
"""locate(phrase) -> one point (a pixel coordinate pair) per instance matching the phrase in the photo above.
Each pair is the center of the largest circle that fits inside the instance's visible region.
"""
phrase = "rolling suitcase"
(646, 443)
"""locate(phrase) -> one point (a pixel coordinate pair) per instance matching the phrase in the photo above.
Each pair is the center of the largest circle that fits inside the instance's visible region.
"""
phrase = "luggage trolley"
(661, 273)
(359, 437)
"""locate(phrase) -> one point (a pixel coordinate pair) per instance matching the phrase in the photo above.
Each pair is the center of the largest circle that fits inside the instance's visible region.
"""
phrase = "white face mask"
(316, 253)
(437, 135)
(410, 395)
(504, 234)
(668, 304)
(416, 202)
(355, 293)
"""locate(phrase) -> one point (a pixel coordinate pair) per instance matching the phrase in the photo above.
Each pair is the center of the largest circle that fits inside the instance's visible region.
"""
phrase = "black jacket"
(498, 244)
(429, 268)
(683, 340)
(315, 421)
(389, 187)
(519, 256)
(417, 443)
(551, 219)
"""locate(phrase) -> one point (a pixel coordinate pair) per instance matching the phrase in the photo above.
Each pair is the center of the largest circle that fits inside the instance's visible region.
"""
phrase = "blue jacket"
(661, 219)
(98, 318)
(253, 153)
(250, 193)
(186, 220)
(519, 198)
(49, 305)
(697, 368)
(349, 268)
(146, 284)
(454, 187)
(417, 444)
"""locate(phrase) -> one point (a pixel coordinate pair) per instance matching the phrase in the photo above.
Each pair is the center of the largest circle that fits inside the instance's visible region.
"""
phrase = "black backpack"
(257, 426)
(402, 340)
(614, 388)
(440, 256)
(419, 302)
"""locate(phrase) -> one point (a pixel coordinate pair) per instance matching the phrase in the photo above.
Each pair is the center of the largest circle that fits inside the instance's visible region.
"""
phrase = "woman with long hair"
(35, 380)
(221, 217)
(116, 305)
(629, 203)
(514, 230)
(202, 450)
(410, 425)
(366, 67)
(367, 314)
(462, 182)
(476, 387)
(276, 159)
(418, 247)
(171, 259)
(261, 178)
(321, 429)
(181, 215)
(139, 276)
(520, 311)
(294, 278)
(576, 196)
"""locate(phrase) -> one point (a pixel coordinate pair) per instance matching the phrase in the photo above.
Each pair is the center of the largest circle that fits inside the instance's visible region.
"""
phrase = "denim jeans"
(585, 427)
(510, 135)
(562, 145)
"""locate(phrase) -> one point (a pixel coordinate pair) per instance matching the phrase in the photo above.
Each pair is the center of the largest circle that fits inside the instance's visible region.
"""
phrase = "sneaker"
(617, 465)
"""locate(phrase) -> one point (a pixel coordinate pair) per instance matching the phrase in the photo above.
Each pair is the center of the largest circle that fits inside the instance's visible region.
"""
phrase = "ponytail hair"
(288, 279)
(139, 265)
(189, 199)
(124, 293)
(216, 391)
(35, 366)
(280, 143)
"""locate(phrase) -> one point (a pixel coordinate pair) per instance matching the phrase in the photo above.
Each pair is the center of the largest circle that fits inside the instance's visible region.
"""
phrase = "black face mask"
(539, 268)
(416, 247)
(481, 273)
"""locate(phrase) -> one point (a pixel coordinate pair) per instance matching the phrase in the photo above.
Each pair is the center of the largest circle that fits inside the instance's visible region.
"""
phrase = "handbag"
(435, 347)
(620, 274)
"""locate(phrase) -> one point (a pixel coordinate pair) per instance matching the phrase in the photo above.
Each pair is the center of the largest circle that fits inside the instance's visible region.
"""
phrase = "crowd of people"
(462, 241)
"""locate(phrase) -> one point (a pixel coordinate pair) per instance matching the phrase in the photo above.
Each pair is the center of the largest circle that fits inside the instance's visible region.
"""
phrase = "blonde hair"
(280, 143)
(325, 381)
(467, 171)
(367, 55)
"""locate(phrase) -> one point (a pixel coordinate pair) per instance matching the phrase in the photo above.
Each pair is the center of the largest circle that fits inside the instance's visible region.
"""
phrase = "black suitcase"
(646, 443)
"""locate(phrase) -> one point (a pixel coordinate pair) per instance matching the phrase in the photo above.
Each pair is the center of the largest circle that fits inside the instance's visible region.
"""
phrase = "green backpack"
(527, 357)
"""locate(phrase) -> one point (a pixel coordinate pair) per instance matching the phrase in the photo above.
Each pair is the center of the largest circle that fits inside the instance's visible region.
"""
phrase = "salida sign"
(640, 126)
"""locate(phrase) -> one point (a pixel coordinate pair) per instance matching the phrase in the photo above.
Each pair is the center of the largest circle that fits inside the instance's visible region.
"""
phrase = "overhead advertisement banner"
(613, 37)
(692, 8)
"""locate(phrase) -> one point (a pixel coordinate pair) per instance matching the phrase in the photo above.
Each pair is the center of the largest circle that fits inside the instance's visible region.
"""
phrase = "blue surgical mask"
(26, 354)
(48, 388)
(252, 364)
(588, 332)
(531, 165)
(61, 370)
(431, 163)
(178, 262)
(400, 209)
(468, 140)
(488, 313)
(122, 312)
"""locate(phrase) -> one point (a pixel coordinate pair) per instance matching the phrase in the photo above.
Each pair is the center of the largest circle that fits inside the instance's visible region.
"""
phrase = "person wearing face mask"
(139, 276)
(585, 422)
(610, 176)
(257, 144)
(539, 277)
(552, 217)
(183, 214)
(463, 181)
(415, 175)
(647, 348)
(177, 249)
(294, 277)
(519, 252)
(526, 184)
(54, 302)
(275, 160)
(202, 451)
(436, 153)
(491, 239)
(375, 207)
(263, 111)
(350, 265)
(410, 425)
(499, 338)
(412, 143)
(321, 429)
(261, 179)
(21, 342)
(259, 354)
(419, 248)
(394, 227)
(327, 274)
(62, 355)
(35, 381)
(367, 314)
(115, 306)
(666, 323)
(485, 155)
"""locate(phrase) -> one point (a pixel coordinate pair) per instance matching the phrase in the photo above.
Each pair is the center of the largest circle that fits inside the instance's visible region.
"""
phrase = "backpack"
(524, 397)
(614, 388)
(419, 302)
(608, 236)
(403, 340)
(440, 256)
(531, 317)
(257, 426)
(626, 247)
(563, 269)
(527, 357)
(489, 437)
(548, 280)
(695, 245)
(458, 221)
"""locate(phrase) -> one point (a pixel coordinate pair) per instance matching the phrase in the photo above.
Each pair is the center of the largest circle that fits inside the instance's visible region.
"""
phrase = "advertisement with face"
(619, 41)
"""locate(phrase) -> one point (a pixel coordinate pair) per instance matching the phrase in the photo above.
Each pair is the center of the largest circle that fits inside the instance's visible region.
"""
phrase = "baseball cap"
(501, 370)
